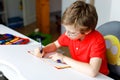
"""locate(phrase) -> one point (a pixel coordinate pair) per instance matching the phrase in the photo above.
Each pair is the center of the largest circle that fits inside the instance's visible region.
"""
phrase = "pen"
(59, 61)
(41, 49)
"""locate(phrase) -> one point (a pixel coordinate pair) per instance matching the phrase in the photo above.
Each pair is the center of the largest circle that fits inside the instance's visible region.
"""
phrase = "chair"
(113, 55)
(112, 27)
(111, 33)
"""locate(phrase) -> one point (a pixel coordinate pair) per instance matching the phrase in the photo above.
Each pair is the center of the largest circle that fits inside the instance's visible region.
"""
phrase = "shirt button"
(76, 48)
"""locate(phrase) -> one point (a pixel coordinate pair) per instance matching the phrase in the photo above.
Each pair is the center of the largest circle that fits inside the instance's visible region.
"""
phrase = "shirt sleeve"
(63, 40)
(98, 48)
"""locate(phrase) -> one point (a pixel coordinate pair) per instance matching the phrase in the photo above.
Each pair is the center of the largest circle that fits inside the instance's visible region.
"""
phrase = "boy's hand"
(37, 52)
(58, 57)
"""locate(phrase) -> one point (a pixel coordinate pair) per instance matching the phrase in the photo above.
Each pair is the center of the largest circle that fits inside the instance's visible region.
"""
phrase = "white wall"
(115, 11)
(103, 8)
(55, 5)
(108, 10)
(13, 8)
(65, 4)
(29, 11)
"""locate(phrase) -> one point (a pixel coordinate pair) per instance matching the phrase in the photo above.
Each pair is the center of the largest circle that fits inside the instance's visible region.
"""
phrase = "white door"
(29, 11)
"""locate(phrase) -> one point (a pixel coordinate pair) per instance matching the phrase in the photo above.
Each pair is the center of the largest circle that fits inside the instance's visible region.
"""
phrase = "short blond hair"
(80, 14)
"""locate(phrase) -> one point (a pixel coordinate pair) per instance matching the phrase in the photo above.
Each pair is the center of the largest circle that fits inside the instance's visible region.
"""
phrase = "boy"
(86, 45)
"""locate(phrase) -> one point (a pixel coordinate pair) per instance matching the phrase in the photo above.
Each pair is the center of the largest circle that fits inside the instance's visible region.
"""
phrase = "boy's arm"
(52, 47)
(91, 69)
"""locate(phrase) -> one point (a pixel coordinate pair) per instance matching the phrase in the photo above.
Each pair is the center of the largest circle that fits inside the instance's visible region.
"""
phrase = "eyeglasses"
(72, 33)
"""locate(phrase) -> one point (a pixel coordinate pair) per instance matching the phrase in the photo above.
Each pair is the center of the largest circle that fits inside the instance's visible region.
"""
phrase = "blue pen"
(59, 61)
(41, 49)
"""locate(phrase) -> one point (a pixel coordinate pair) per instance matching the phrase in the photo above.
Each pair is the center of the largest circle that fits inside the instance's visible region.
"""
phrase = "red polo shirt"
(93, 45)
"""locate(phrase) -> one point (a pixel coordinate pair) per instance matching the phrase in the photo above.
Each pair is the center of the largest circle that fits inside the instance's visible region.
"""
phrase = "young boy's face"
(73, 33)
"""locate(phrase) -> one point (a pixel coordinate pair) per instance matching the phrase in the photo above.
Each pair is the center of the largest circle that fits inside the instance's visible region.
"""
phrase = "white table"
(30, 67)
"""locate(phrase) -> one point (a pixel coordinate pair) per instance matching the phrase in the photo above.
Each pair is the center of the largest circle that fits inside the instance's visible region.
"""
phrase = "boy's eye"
(70, 32)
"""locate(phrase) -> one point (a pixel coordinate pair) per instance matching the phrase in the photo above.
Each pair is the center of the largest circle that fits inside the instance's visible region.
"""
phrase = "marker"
(41, 48)
(59, 61)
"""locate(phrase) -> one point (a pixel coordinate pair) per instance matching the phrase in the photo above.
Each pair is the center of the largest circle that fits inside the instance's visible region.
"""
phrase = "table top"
(33, 68)
(30, 67)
